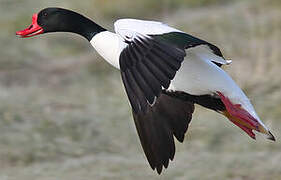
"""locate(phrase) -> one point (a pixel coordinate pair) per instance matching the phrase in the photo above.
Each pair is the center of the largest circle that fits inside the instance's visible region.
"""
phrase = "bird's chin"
(243, 119)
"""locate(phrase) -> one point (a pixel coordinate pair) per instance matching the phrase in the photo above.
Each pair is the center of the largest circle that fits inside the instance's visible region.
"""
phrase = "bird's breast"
(109, 45)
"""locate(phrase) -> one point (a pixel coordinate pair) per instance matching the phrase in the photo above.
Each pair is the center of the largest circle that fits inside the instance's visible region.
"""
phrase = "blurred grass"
(151, 8)
(64, 114)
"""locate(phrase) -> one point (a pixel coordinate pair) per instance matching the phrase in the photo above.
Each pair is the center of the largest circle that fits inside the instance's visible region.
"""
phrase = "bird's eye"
(45, 14)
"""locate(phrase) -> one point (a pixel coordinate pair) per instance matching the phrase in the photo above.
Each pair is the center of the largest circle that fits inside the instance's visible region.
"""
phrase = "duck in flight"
(165, 72)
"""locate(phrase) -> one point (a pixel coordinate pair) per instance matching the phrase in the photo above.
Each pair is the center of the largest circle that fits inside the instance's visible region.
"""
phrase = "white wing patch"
(129, 28)
(205, 53)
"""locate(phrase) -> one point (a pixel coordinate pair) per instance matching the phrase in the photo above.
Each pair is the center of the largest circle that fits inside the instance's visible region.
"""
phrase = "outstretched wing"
(148, 63)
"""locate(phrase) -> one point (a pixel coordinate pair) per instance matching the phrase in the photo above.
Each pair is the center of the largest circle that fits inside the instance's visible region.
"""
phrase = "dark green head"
(61, 20)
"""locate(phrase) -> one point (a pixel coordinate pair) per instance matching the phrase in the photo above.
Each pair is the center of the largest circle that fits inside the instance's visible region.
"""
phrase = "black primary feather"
(168, 117)
(151, 64)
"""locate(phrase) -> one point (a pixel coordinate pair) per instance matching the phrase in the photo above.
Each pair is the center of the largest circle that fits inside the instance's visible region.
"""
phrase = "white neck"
(109, 45)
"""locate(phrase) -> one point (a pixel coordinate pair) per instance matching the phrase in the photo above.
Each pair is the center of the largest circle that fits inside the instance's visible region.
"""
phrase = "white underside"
(198, 76)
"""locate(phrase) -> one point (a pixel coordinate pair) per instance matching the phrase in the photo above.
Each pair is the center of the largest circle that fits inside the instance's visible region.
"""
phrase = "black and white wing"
(148, 63)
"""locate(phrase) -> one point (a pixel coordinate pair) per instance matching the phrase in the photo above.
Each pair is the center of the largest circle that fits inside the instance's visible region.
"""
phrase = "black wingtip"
(167, 117)
(159, 169)
(180, 137)
(271, 137)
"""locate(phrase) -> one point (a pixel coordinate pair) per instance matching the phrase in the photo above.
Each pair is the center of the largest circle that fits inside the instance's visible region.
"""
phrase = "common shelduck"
(165, 72)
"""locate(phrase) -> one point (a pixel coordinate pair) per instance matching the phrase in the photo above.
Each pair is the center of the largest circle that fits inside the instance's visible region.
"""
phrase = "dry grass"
(54, 90)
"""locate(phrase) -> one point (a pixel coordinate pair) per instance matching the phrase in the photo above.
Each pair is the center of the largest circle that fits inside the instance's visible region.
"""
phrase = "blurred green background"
(64, 114)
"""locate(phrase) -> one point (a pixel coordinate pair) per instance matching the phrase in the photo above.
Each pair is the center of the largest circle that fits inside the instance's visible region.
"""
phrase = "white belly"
(198, 77)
